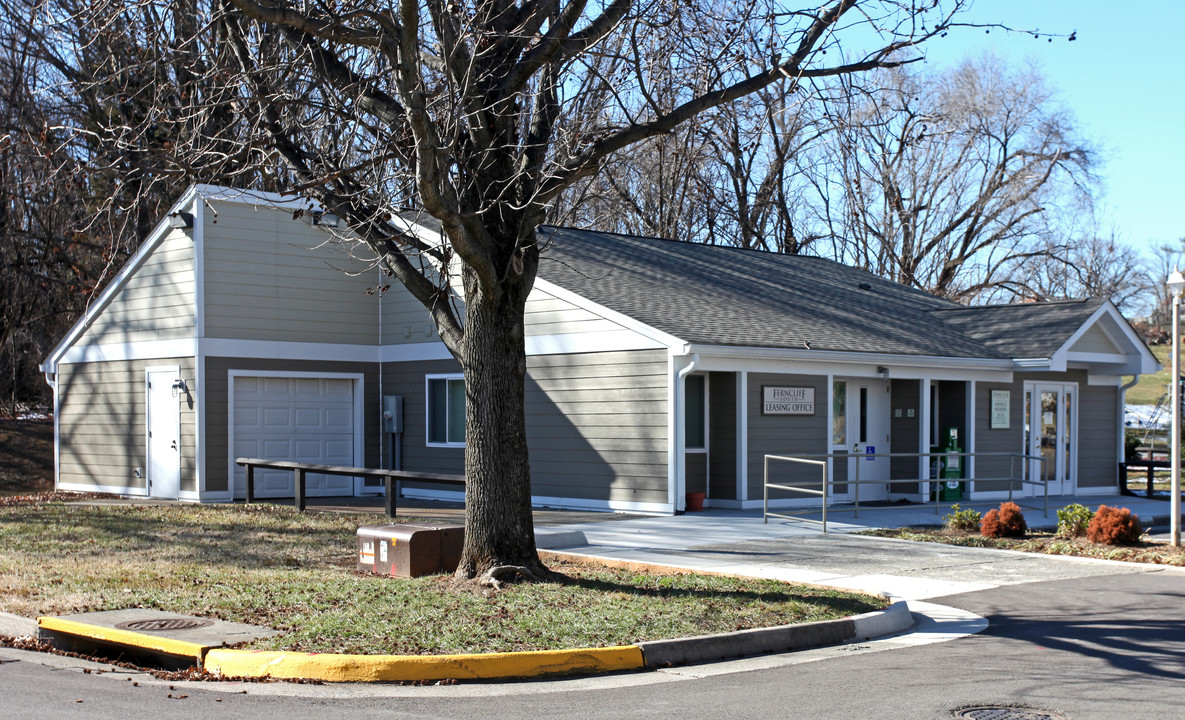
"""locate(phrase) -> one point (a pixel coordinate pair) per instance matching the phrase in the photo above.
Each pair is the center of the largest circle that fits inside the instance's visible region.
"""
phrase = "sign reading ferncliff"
(787, 400)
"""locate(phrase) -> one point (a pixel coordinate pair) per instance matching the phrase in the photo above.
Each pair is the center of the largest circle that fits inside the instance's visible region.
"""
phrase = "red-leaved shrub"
(1114, 526)
(1005, 522)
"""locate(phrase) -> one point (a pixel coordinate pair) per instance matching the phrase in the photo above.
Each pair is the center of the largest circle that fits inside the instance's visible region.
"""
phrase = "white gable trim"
(154, 239)
(663, 339)
(1146, 363)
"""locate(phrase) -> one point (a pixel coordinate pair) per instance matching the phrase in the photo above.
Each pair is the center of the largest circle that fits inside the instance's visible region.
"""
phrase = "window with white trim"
(446, 410)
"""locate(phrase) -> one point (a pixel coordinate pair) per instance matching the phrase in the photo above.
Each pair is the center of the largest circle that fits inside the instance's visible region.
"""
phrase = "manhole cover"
(164, 624)
(1005, 712)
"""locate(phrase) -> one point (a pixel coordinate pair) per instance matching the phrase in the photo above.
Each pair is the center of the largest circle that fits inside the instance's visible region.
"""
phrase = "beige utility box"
(409, 550)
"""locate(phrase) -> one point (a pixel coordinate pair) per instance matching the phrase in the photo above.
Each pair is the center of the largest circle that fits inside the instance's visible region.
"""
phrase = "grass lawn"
(271, 566)
(1151, 387)
(1043, 543)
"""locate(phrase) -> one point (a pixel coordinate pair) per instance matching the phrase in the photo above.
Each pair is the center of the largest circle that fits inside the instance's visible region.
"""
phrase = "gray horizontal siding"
(1098, 451)
(102, 422)
(269, 277)
(581, 408)
(792, 435)
(549, 315)
(156, 303)
(1010, 440)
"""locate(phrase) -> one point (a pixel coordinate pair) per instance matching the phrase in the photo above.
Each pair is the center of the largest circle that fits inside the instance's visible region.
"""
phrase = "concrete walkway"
(740, 542)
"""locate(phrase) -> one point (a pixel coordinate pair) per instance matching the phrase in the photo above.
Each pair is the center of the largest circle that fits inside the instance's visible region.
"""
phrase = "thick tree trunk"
(499, 531)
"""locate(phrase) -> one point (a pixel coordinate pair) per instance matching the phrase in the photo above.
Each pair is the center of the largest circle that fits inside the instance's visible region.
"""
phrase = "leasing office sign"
(776, 400)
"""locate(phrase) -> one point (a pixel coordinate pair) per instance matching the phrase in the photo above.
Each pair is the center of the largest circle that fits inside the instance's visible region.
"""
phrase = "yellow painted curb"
(123, 637)
(397, 668)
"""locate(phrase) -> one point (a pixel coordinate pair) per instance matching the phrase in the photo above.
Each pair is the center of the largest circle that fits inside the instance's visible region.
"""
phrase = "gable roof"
(1024, 330)
(724, 296)
(728, 296)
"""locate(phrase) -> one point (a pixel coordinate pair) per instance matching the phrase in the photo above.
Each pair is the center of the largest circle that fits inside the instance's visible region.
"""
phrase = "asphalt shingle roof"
(1028, 330)
(728, 296)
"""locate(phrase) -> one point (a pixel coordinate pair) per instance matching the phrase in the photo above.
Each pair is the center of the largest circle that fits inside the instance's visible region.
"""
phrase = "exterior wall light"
(181, 220)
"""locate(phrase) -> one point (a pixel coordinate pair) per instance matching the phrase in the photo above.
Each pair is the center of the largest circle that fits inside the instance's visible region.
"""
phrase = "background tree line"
(970, 182)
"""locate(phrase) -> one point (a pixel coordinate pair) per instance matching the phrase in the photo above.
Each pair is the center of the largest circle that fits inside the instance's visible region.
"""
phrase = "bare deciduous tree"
(474, 112)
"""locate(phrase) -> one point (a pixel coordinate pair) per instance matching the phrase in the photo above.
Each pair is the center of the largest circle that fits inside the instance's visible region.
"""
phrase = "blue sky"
(1123, 79)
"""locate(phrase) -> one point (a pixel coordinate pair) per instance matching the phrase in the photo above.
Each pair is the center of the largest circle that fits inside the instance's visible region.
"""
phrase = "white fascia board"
(1111, 380)
(824, 362)
(154, 239)
(291, 201)
(663, 339)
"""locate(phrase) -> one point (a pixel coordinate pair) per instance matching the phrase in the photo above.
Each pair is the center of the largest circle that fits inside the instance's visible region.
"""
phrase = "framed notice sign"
(1001, 409)
(776, 400)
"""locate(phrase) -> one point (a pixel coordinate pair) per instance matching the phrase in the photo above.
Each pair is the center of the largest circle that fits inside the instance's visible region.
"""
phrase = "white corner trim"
(142, 350)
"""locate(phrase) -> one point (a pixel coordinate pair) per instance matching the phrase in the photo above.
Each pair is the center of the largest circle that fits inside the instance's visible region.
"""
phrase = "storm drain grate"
(1005, 712)
(164, 624)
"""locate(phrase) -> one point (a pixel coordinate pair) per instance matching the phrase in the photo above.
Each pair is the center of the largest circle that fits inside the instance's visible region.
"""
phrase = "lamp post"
(1176, 283)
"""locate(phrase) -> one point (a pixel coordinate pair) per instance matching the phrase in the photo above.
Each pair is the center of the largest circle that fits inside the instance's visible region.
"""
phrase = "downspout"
(1122, 415)
(51, 379)
(681, 435)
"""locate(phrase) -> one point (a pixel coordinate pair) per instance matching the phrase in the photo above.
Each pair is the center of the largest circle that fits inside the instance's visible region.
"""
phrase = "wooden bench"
(301, 471)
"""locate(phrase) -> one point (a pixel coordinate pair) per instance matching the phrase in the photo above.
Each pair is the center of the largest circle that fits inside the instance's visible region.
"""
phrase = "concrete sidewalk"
(740, 542)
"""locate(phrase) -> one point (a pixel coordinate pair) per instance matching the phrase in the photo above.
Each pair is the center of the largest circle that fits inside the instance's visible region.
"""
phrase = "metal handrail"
(766, 514)
(1013, 480)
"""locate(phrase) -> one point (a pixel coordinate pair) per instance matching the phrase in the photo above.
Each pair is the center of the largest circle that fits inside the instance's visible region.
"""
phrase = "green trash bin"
(949, 489)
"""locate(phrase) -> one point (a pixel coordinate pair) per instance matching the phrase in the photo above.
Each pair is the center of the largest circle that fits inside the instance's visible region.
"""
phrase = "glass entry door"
(1051, 434)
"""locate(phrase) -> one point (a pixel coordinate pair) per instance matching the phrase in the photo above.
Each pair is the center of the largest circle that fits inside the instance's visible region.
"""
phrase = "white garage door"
(299, 419)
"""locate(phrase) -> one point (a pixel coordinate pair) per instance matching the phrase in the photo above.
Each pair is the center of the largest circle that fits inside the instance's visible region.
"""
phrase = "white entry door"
(868, 436)
(164, 433)
(1051, 434)
(301, 419)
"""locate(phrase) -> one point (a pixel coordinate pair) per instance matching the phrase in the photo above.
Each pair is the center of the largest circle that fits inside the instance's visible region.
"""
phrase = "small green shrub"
(1131, 441)
(1114, 526)
(965, 520)
(1008, 521)
(1072, 520)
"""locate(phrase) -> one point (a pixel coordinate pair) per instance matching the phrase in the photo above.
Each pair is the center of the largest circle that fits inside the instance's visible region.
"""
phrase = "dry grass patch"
(271, 566)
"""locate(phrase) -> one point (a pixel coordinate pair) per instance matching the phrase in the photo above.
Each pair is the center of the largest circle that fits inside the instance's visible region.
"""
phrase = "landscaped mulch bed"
(1045, 544)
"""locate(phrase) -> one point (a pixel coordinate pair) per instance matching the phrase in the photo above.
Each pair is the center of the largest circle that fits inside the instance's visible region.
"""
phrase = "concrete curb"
(494, 666)
(410, 668)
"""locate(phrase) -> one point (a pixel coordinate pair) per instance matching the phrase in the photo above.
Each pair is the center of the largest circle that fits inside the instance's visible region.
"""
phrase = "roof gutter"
(766, 353)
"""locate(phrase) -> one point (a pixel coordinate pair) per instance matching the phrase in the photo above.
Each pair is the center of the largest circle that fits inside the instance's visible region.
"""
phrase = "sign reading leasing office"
(777, 400)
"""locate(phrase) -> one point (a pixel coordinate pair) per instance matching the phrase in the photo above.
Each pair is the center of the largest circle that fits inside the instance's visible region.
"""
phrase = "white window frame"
(428, 409)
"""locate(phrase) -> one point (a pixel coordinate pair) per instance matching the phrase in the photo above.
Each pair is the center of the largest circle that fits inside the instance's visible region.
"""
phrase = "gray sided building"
(655, 369)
